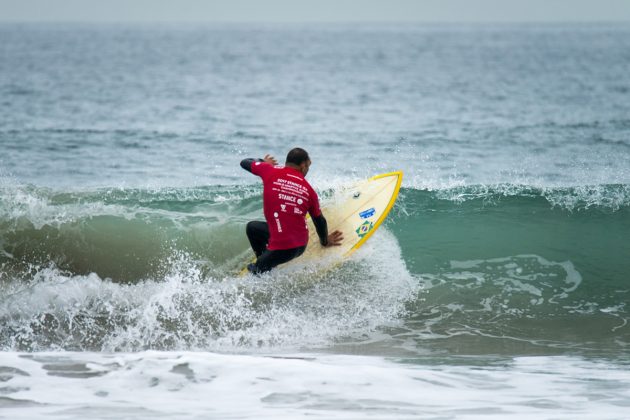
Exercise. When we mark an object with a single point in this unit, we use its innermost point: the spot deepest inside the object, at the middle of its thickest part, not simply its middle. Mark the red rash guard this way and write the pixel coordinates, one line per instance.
(287, 197)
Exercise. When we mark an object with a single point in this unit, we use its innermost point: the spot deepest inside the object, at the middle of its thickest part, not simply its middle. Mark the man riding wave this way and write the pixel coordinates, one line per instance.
(287, 198)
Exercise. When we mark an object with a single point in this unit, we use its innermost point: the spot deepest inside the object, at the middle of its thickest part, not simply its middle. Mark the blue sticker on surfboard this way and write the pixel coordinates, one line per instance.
(366, 214)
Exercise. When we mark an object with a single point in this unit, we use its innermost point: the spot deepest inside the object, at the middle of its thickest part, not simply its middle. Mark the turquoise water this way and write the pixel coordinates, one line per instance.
(501, 273)
(537, 264)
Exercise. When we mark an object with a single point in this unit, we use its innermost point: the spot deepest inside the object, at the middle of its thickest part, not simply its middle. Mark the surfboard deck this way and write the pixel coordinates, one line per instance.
(357, 211)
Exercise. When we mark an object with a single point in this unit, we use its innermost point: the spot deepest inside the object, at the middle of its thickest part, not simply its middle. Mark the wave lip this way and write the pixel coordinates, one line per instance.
(610, 197)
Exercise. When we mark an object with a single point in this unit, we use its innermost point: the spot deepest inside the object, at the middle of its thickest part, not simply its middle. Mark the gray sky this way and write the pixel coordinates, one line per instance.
(316, 10)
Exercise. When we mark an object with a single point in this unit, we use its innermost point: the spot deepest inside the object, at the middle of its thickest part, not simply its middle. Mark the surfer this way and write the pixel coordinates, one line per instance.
(287, 197)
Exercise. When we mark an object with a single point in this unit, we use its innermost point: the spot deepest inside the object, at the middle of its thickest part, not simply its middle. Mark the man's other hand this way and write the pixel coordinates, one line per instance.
(335, 238)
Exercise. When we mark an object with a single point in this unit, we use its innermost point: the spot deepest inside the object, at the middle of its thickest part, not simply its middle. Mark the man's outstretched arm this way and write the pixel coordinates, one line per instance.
(247, 163)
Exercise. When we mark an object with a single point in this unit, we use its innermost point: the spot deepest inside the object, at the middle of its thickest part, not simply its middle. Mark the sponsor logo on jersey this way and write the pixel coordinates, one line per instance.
(278, 224)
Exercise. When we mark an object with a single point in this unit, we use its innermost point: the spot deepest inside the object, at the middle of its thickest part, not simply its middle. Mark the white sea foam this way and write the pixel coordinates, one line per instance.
(191, 385)
(187, 309)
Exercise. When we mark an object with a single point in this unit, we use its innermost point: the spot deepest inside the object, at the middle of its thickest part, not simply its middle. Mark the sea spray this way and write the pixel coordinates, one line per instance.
(186, 309)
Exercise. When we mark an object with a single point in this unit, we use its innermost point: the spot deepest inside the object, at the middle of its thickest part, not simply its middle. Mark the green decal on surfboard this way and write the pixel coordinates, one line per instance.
(364, 228)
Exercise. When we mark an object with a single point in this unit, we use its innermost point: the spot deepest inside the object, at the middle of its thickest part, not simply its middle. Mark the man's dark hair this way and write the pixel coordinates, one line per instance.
(297, 156)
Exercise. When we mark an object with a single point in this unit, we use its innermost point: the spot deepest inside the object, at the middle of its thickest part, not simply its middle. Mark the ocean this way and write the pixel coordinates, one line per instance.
(498, 287)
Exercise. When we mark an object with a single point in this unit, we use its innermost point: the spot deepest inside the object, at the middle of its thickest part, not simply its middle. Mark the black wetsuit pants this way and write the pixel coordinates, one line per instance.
(258, 235)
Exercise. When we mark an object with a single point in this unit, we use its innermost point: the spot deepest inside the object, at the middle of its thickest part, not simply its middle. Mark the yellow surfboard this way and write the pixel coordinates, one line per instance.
(357, 211)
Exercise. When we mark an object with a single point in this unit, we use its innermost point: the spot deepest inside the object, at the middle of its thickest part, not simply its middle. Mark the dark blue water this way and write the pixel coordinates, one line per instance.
(115, 105)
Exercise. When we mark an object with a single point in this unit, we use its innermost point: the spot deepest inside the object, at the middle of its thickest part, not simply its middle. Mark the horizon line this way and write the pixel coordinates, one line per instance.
(319, 22)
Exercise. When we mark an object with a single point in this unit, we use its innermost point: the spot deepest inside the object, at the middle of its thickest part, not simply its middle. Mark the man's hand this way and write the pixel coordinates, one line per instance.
(270, 159)
(335, 239)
